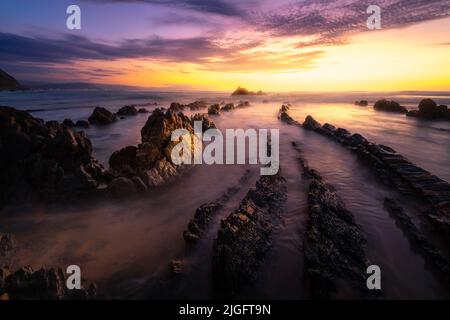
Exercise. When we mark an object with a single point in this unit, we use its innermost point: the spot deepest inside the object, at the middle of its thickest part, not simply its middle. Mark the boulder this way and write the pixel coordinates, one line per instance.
(68, 123)
(214, 110)
(311, 124)
(102, 116)
(429, 110)
(197, 105)
(127, 111)
(389, 106)
(82, 124)
(202, 217)
(362, 103)
(177, 107)
(228, 107)
(151, 160)
(243, 104)
(123, 161)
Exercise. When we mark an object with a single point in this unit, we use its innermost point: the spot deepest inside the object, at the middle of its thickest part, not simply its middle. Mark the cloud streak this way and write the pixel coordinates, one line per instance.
(221, 7)
(331, 21)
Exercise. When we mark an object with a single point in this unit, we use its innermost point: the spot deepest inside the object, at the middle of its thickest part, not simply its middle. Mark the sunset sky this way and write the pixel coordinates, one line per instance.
(282, 45)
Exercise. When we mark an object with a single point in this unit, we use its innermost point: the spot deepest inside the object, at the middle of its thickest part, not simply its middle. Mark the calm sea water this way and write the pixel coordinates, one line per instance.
(123, 244)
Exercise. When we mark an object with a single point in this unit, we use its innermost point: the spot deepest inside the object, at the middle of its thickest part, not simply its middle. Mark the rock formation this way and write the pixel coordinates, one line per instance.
(429, 110)
(228, 107)
(244, 236)
(44, 161)
(214, 110)
(197, 105)
(127, 111)
(362, 103)
(389, 106)
(150, 161)
(7, 82)
(395, 170)
(334, 250)
(206, 212)
(102, 116)
(44, 284)
(244, 92)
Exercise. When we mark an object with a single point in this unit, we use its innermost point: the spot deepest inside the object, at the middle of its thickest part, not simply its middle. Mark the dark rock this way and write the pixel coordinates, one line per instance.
(7, 82)
(285, 108)
(205, 212)
(206, 122)
(356, 140)
(7, 244)
(329, 129)
(214, 110)
(362, 103)
(284, 116)
(197, 105)
(228, 107)
(397, 171)
(44, 284)
(127, 111)
(311, 124)
(334, 247)
(102, 116)
(43, 162)
(53, 125)
(176, 107)
(243, 104)
(176, 267)
(389, 106)
(82, 124)
(244, 92)
(202, 217)
(151, 160)
(413, 113)
(143, 110)
(432, 255)
(244, 236)
(429, 110)
(124, 161)
(68, 123)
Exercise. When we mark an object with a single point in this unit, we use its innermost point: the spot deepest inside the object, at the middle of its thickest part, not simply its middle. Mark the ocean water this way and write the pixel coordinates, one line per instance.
(126, 245)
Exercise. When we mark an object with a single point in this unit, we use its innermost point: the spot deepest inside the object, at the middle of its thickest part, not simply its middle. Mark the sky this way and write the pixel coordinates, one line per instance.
(217, 45)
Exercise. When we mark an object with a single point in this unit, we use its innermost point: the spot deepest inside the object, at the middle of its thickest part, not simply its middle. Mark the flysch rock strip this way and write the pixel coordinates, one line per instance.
(206, 212)
(334, 247)
(394, 170)
(244, 236)
(433, 256)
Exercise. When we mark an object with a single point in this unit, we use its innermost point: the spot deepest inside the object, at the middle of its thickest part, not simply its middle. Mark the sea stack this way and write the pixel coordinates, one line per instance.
(7, 82)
